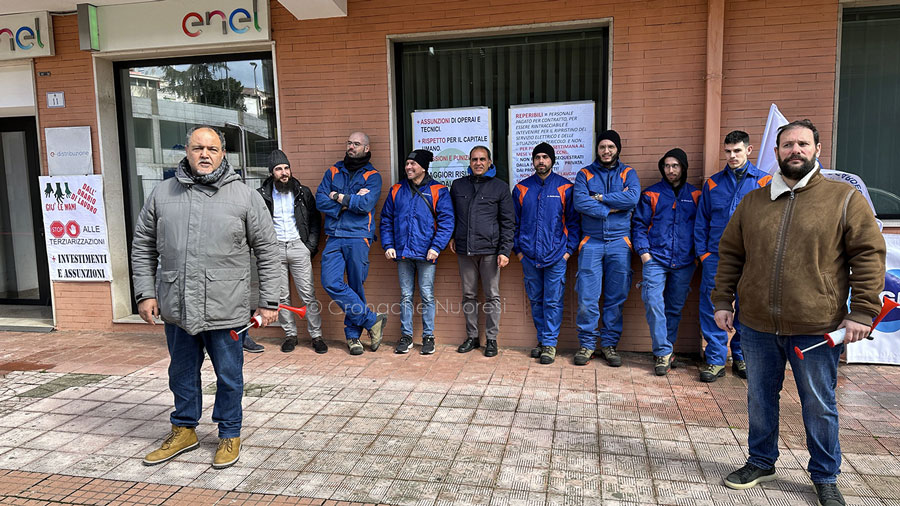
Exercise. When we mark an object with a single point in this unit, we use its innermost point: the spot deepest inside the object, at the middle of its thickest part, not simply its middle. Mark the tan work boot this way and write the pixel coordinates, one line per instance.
(227, 453)
(180, 440)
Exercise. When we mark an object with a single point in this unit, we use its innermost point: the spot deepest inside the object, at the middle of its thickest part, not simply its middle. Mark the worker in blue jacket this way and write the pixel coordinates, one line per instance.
(663, 235)
(547, 233)
(416, 225)
(606, 193)
(719, 198)
(347, 196)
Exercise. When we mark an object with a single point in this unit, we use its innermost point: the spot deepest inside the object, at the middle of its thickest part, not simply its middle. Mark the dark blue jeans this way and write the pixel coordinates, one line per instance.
(186, 358)
(816, 377)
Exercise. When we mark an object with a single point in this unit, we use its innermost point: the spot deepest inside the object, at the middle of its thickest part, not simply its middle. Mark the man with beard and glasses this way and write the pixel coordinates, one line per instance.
(416, 225)
(347, 196)
(663, 234)
(191, 266)
(792, 252)
(719, 198)
(297, 224)
(547, 233)
(606, 193)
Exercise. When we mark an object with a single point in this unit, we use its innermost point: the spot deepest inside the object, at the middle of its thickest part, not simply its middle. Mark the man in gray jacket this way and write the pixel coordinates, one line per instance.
(191, 267)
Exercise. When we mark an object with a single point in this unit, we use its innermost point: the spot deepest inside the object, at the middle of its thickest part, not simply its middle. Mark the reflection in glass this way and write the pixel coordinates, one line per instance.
(161, 103)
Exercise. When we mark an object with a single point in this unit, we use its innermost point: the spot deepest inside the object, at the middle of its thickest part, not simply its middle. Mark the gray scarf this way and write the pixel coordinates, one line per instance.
(213, 176)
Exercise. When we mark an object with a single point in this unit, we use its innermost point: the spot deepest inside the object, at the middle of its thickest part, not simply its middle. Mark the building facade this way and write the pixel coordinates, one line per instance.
(303, 75)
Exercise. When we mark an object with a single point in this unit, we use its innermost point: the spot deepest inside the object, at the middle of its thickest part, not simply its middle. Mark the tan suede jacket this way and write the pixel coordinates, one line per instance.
(789, 259)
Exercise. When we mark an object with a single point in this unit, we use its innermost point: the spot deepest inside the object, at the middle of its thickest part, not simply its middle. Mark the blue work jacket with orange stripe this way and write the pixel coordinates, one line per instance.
(547, 225)
(663, 224)
(720, 196)
(411, 224)
(610, 219)
(355, 218)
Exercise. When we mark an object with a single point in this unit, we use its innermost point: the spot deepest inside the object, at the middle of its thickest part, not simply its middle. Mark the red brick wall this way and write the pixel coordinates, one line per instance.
(333, 79)
(337, 70)
(71, 71)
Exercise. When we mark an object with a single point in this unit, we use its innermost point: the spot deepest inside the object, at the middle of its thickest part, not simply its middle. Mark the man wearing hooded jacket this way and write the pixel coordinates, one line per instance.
(719, 198)
(347, 196)
(547, 233)
(606, 193)
(297, 224)
(663, 235)
(482, 240)
(416, 225)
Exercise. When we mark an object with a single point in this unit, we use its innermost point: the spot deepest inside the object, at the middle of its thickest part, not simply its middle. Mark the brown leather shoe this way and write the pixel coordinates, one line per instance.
(179, 440)
(228, 452)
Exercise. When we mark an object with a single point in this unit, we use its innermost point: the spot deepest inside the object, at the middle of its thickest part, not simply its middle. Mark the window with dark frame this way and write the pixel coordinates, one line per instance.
(869, 103)
(498, 72)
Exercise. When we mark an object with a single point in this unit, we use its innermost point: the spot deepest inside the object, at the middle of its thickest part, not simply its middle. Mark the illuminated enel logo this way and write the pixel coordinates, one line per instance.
(23, 36)
(236, 21)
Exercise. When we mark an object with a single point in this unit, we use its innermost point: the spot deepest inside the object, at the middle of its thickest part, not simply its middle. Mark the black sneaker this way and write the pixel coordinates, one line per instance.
(536, 351)
(748, 476)
(250, 345)
(829, 495)
(319, 345)
(289, 344)
(404, 345)
(490, 348)
(427, 345)
(356, 347)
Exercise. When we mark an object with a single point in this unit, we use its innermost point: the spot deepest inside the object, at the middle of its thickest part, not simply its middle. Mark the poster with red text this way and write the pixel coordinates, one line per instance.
(75, 228)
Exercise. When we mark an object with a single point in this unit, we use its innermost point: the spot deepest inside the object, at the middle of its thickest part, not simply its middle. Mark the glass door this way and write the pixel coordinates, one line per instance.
(24, 278)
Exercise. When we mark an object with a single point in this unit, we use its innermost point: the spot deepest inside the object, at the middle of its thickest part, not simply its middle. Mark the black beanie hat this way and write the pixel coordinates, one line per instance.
(678, 154)
(421, 156)
(611, 135)
(547, 150)
(277, 157)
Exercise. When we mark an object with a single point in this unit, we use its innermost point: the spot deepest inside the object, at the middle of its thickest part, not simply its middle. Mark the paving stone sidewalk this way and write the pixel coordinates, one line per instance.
(78, 411)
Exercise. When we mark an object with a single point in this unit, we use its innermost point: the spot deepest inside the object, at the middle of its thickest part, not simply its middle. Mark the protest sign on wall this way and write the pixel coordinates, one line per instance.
(450, 134)
(75, 228)
(567, 126)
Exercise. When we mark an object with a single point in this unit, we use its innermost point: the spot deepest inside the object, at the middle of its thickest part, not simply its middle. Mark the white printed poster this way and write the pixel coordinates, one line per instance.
(69, 151)
(75, 228)
(885, 347)
(567, 126)
(450, 134)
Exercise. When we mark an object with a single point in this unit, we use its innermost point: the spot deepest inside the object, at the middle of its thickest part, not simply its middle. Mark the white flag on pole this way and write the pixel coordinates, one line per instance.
(766, 160)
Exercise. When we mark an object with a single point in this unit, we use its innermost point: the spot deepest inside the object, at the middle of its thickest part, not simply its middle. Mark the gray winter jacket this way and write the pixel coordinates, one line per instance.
(191, 251)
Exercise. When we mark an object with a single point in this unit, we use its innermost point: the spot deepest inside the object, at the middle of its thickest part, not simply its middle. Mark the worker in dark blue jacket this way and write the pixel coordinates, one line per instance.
(663, 235)
(606, 193)
(416, 225)
(547, 233)
(482, 241)
(347, 196)
(719, 198)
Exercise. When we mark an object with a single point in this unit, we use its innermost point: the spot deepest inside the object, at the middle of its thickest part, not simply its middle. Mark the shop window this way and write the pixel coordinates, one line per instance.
(159, 101)
(869, 105)
(498, 72)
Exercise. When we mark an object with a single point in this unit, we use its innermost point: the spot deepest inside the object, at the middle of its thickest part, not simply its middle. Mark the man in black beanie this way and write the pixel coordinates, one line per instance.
(547, 233)
(663, 235)
(416, 225)
(606, 193)
(297, 225)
